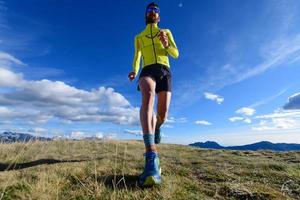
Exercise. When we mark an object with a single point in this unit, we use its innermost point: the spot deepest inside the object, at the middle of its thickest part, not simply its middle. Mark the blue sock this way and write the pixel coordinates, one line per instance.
(148, 140)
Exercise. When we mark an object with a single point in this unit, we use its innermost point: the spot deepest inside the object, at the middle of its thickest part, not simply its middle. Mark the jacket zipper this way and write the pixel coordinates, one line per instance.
(153, 44)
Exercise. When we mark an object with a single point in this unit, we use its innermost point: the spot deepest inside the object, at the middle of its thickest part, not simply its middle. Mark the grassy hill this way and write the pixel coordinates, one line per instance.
(109, 169)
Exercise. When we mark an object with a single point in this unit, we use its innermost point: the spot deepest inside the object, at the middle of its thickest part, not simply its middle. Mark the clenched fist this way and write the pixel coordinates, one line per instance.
(163, 38)
(131, 75)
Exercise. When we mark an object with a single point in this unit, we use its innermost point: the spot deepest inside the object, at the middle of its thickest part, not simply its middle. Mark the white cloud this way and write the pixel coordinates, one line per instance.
(246, 111)
(284, 123)
(281, 50)
(246, 120)
(278, 120)
(274, 50)
(293, 102)
(213, 97)
(4, 111)
(267, 100)
(99, 135)
(180, 5)
(170, 120)
(37, 130)
(9, 78)
(277, 124)
(77, 134)
(5, 122)
(202, 122)
(110, 136)
(176, 120)
(167, 126)
(134, 132)
(234, 119)
(41, 100)
(296, 59)
(8, 60)
(279, 114)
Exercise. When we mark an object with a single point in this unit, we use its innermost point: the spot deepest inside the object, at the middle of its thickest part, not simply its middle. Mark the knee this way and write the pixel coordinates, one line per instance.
(148, 96)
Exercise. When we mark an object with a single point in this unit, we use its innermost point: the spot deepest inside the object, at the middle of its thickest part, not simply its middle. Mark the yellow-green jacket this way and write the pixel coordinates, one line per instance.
(148, 46)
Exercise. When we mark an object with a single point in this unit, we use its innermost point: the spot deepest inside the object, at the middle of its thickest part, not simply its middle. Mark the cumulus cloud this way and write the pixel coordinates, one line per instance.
(202, 122)
(214, 97)
(246, 111)
(293, 102)
(39, 101)
(9, 78)
(276, 124)
(278, 120)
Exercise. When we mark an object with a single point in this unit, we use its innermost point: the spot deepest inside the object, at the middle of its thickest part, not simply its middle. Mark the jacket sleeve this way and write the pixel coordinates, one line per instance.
(137, 55)
(172, 49)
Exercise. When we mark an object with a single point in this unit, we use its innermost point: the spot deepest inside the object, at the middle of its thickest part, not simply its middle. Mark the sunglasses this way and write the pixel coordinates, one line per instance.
(156, 10)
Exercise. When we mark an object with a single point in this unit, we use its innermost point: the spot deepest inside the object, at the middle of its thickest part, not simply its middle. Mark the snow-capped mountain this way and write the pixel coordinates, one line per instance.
(8, 137)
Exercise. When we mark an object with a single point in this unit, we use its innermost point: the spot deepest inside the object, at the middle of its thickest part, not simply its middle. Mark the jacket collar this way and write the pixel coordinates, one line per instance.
(154, 26)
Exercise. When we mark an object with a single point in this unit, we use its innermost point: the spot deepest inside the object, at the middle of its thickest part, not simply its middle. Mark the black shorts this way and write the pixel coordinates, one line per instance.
(161, 74)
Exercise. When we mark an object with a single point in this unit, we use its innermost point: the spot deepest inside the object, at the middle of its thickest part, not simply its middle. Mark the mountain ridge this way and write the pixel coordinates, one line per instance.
(262, 145)
(10, 137)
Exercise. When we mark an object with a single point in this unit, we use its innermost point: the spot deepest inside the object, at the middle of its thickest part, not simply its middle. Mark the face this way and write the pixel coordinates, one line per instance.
(153, 14)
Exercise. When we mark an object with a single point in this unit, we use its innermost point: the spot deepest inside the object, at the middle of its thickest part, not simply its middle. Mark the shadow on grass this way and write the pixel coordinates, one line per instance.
(120, 181)
(17, 166)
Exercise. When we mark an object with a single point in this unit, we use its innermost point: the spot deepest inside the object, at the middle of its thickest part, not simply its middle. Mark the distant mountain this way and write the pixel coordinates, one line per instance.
(264, 145)
(207, 145)
(8, 137)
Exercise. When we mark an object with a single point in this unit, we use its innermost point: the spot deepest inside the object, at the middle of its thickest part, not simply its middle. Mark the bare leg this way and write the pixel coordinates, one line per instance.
(163, 103)
(147, 86)
(154, 120)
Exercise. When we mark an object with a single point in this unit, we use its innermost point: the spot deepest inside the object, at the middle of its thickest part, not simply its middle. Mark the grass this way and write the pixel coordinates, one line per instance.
(109, 170)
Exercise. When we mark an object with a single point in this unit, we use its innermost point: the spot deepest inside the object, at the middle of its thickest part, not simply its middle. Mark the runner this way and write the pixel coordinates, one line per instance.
(153, 45)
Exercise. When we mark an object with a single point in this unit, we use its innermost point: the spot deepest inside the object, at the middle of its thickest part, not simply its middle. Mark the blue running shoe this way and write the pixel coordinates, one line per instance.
(152, 172)
(157, 136)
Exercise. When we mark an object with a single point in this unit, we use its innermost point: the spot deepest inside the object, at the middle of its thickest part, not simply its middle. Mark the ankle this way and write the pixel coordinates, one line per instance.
(158, 125)
(151, 148)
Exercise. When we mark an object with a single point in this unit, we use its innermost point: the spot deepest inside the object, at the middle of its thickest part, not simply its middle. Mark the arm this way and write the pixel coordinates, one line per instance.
(137, 55)
(172, 48)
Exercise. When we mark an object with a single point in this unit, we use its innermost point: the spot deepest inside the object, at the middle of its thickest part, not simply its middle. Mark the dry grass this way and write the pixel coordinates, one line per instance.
(109, 170)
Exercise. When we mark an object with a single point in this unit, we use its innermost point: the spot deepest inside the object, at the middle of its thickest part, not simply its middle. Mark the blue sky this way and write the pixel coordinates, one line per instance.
(64, 66)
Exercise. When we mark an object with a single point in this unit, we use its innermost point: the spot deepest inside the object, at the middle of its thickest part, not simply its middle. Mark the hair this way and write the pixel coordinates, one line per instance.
(152, 4)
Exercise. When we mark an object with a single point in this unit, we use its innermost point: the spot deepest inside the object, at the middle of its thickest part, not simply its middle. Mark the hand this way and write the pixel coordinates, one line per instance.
(164, 39)
(131, 75)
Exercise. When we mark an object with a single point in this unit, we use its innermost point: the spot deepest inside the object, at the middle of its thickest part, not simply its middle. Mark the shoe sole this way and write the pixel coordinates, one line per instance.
(151, 181)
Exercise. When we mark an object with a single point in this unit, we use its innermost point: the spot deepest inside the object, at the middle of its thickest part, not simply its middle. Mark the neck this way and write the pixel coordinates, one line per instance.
(152, 24)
